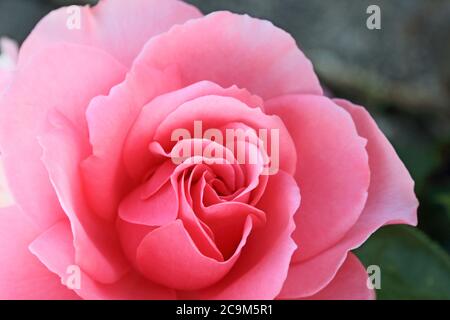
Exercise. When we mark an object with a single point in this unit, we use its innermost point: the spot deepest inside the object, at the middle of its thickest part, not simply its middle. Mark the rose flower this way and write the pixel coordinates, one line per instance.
(151, 152)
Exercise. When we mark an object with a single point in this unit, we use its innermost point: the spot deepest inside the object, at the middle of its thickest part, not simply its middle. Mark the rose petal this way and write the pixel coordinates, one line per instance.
(108, 26)
(226, 221)
(22, 276)
(131, 236)
(157, 210)
(391, 200)
(231, 49)
(110, 119)
(55, 249)
(77, 75)
(350, 283)
(97, 246)
(169, 256)
(332, 170)
(198, 231)
(391, 192)
(262, 268)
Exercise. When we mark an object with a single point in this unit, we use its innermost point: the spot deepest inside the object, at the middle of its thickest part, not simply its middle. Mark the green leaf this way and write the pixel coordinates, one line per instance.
(412, 266)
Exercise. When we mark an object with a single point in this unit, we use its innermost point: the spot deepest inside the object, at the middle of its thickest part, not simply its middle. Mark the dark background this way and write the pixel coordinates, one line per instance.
(401, 73)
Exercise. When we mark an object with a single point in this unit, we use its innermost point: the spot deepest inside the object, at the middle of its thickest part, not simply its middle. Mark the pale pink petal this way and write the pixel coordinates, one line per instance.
(350, 283)
(121, 30)
(169, 256)
(262, 268)
(22, 276)
(131, 236)
(5, 78)
(55, 249)
(63, 77)
(391, 200)
(231, 49)
(157, 210)
(332, 170)
(309, 277)
(391, 192)
(250, 143)
(198, 231)
(226, 221)
(110, 119)
(97, 245)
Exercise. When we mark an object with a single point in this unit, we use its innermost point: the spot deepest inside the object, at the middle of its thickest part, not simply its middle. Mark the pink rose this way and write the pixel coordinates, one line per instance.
(86, 137)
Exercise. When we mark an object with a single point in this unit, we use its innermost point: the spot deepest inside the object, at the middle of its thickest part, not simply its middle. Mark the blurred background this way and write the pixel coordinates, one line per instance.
(401, 73)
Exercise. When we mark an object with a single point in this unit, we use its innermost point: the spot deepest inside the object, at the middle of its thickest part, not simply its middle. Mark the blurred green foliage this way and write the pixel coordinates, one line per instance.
(413, 266)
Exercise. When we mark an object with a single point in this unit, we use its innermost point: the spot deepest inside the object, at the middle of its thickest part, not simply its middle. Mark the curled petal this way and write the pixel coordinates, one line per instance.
(169, 256)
